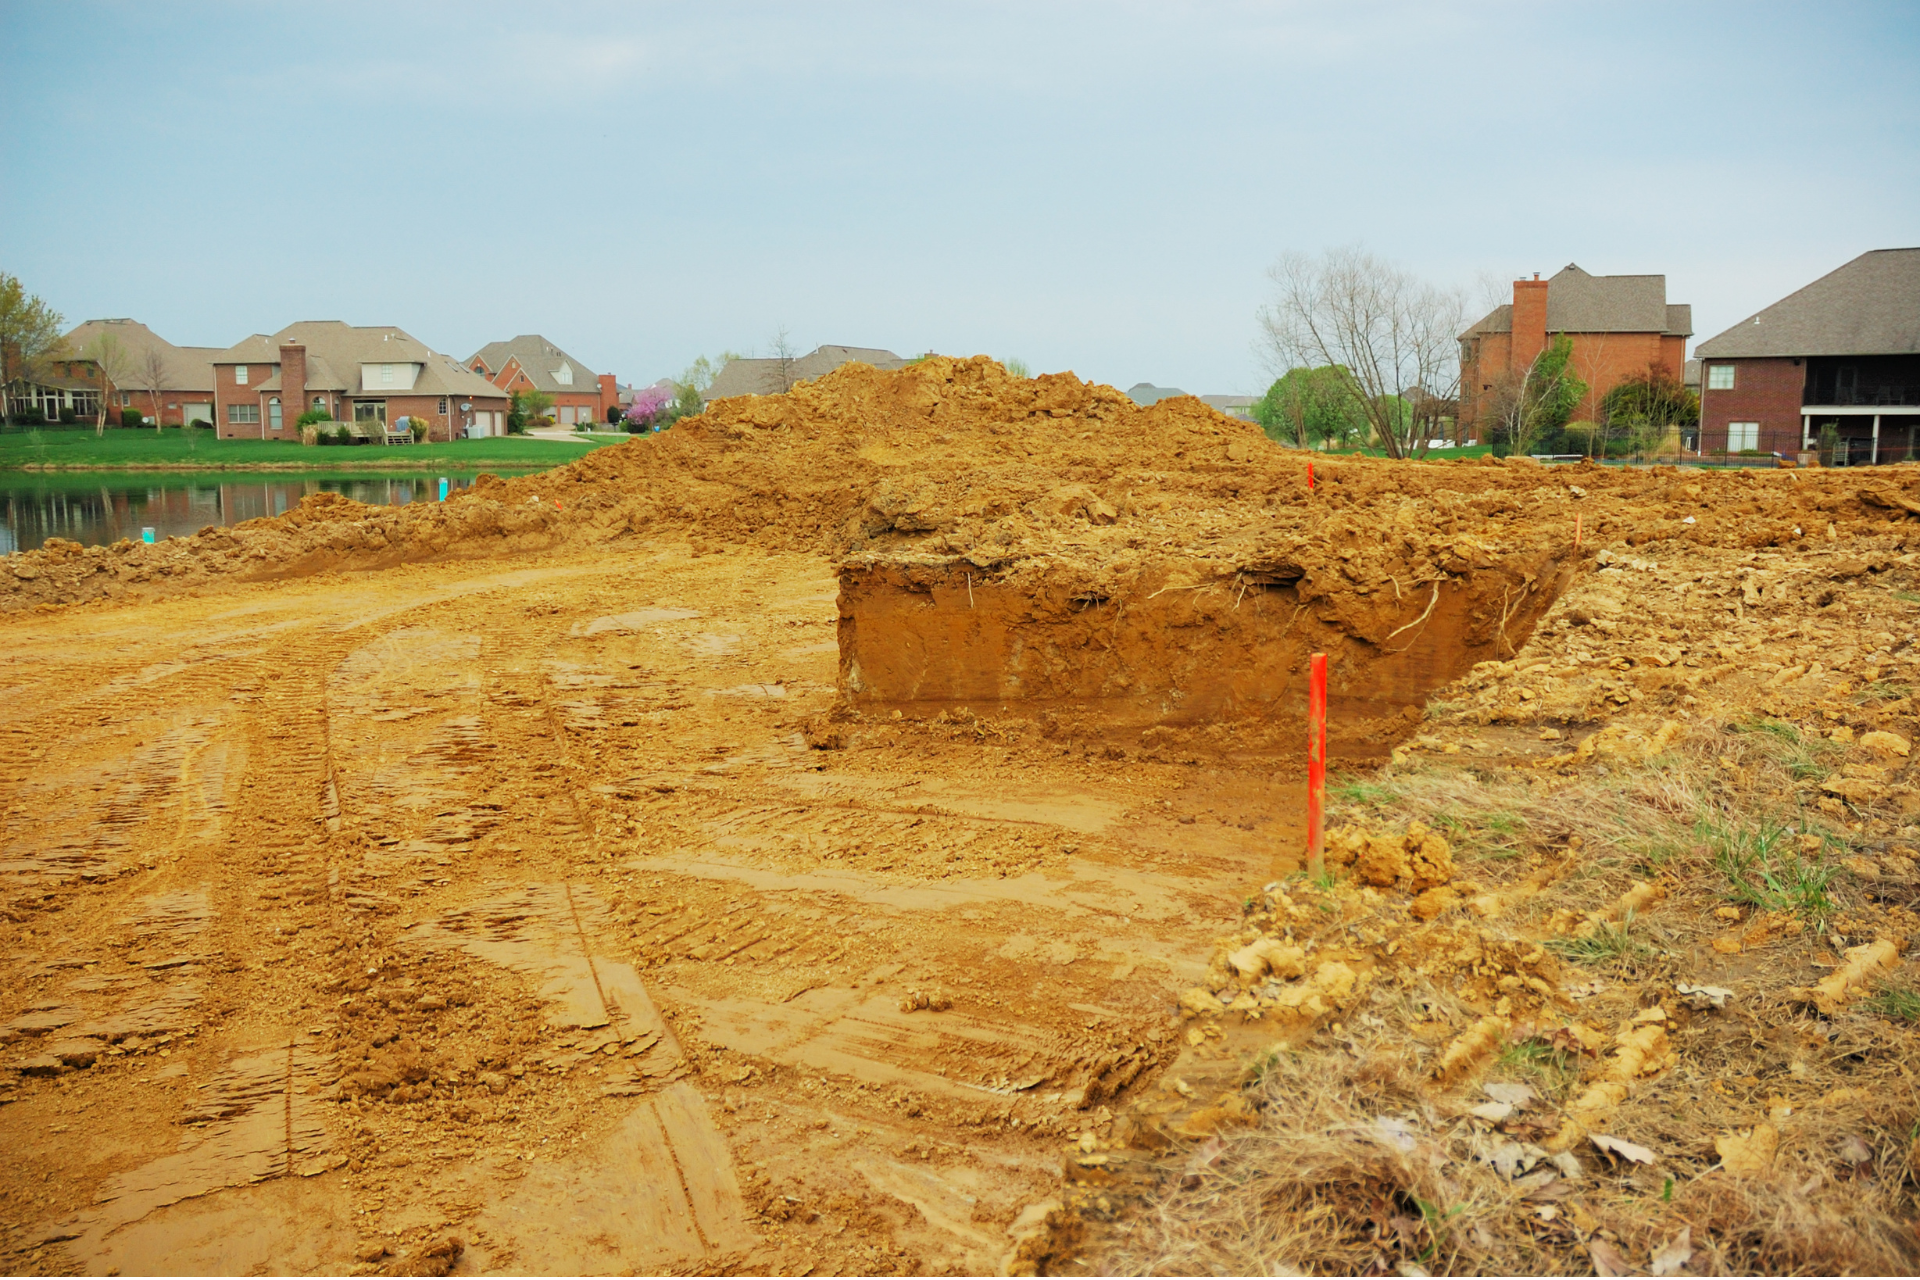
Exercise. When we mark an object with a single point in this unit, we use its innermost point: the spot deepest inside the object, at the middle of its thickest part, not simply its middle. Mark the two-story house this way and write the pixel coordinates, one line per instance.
(530, 362)
(162, 382)
(359, 373)
(1843, 352)
(1620, 326)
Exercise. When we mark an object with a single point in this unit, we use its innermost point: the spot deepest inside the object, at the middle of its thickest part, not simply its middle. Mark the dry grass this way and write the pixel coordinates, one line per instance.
(1318, 1186)
(1356, 1168)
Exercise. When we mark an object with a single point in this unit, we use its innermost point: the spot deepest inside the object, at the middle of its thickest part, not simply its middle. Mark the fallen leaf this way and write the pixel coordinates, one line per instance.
(1854, 1151)
(1507, 1159)
(1625, 1150)
(1568, 1164)
(1671, 1256)
(1701, 997)
(1517, 1096)
(1748, 1155)
(1607, 1260)
(1493, 1112)
(1392, 1131)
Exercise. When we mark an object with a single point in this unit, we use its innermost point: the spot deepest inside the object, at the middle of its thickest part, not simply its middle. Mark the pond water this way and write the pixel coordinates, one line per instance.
(99, 507)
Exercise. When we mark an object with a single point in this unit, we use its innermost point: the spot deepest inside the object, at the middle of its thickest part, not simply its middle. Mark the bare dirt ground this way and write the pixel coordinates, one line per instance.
(859, 834)
(530, 866)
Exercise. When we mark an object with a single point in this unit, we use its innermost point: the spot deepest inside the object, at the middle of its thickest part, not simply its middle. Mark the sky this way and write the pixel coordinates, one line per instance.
(1090, 187)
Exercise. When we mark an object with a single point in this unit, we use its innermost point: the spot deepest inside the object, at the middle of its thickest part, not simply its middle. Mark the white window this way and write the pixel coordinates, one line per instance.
(1720, 378)
(240, 375)
(1742, 435)
(564, 374)
(386, 375)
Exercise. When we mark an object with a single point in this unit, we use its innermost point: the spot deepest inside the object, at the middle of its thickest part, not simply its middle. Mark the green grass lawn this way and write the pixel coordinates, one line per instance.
(144, 448)
(1431, 455)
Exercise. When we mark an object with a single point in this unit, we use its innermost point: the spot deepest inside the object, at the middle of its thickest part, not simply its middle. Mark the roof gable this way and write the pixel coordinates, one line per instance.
(1581, 303)
(186, 368)
(541, 360)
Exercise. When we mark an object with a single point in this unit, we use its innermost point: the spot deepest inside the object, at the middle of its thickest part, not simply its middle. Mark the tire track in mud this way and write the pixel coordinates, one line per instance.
(548, 891)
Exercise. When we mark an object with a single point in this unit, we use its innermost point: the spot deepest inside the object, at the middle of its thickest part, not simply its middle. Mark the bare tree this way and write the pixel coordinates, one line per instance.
(113, 366)
(150, 375)
(1521, 407)
(784, 358)
(1389, 334)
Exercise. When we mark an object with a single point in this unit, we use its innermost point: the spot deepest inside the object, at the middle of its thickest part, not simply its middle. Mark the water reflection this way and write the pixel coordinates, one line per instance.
(95, 509)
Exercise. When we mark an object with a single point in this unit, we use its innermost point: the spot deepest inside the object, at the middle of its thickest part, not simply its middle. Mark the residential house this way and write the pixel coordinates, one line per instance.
(367, 374)
(1240, 407)
(530, 362)
(1844, 352)
(52, 391)
(1620, 326)
(1145, 393)
(771, 376)
(165, 383)
(184, 375)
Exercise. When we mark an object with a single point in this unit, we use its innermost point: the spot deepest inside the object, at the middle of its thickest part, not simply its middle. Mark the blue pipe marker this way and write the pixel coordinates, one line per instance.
(146, 534)
(443, 488)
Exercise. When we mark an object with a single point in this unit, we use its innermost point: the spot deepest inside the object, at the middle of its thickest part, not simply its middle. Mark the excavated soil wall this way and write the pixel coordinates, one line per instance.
(1232, 655)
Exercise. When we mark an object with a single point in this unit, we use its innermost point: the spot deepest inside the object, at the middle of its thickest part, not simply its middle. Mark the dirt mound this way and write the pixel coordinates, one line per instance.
(954, 462)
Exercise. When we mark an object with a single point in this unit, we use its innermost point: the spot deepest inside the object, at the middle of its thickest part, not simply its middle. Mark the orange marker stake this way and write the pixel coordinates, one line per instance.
(1576, 533)
(1317, 766)
(1309, 475)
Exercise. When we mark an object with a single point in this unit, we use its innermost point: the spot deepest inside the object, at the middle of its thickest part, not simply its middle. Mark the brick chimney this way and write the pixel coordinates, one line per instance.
(609, 395)
(1529, 321)
(293, 380)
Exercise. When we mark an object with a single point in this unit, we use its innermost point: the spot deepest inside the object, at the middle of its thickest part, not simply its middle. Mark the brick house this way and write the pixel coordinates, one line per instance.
(530, 362)
(184, 375)
(1620, 326)
(359, 373)
(52, 391)
(1844, 352)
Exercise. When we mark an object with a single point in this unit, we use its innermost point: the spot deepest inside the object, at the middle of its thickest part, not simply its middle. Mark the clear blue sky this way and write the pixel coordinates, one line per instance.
(1095, 187)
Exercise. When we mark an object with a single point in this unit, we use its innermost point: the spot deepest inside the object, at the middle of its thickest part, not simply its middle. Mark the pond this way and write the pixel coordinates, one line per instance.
(96, 508)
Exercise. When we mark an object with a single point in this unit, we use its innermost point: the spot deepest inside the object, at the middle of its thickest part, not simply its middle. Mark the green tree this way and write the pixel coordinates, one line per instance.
(525, 408)
(690, 389)
(29, 334)
(1307, 407)
(1525, 410)
(1654, 398)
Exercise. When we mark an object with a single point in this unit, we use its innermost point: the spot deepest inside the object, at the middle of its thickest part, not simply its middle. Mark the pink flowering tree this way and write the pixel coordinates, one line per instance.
(645, 409)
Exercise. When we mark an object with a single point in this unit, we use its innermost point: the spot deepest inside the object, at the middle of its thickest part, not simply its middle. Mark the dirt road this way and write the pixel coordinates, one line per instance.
(498, 916)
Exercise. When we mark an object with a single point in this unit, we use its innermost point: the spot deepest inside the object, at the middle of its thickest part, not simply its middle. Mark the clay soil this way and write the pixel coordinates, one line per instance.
(631, 868)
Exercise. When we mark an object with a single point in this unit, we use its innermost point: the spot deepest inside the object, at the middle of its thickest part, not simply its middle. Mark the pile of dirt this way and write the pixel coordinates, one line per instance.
(953, 462)
(1657, 1009)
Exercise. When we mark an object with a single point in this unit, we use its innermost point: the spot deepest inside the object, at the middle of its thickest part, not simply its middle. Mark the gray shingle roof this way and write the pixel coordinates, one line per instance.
(541, 359)
(1145, 393)
(343, 347)
(1869, 307)
(761, 377)
(1581, 303)
(335, 352)
(187, 368)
